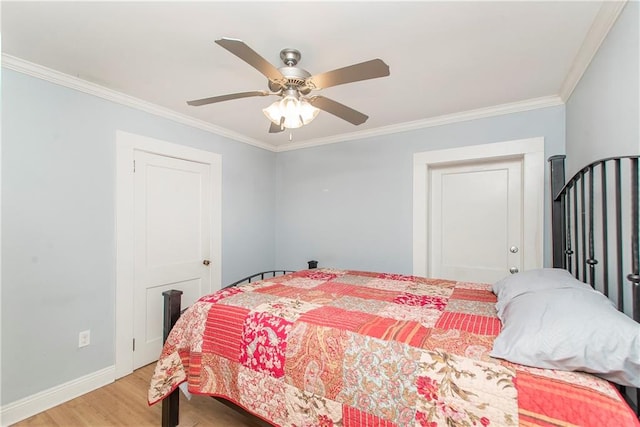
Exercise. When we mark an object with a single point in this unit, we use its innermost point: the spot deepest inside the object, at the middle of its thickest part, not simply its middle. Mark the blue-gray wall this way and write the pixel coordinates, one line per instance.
(603, 112)
(58, 224)
(350, 205)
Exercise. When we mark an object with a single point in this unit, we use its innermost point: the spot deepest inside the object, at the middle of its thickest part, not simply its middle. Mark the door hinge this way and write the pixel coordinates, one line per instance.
(134, 344)
(134, 166)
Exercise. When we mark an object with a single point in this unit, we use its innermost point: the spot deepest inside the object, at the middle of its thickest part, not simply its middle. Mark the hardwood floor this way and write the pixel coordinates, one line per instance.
(124, 403)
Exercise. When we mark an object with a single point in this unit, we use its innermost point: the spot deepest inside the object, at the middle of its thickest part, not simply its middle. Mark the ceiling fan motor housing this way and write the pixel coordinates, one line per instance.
(295, 77)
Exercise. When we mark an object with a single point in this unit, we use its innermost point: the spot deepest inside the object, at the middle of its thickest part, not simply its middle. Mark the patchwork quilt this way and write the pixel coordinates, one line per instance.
(349, 348)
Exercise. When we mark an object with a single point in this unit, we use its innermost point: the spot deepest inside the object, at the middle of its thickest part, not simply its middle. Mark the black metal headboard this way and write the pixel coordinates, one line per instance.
(595, 229)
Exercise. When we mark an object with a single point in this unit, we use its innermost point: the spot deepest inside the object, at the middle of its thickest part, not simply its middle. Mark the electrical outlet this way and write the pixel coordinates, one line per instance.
(84, 338)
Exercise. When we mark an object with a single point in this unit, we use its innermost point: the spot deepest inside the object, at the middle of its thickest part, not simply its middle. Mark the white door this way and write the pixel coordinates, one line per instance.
(487, 199)
(475, 213)
(172, 235)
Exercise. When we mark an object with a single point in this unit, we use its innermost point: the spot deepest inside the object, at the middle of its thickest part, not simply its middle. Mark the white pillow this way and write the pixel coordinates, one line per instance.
(532, 281)
(571, 329)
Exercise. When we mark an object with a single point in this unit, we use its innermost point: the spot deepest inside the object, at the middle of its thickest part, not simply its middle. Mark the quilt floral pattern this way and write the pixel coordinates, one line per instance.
(330, 347)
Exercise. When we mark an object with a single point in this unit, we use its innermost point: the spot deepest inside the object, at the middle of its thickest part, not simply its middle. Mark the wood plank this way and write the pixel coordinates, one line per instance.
(124, 403)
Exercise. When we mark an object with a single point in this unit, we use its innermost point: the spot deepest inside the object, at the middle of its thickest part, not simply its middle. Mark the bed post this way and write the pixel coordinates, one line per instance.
(171, 404)
(634, 276)
(557, 210)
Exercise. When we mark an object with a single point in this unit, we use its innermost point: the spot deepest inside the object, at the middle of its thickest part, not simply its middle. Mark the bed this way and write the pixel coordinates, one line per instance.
(323, 347)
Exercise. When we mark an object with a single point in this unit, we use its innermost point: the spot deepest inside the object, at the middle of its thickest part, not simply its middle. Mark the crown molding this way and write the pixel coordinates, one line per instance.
(481, 113)
(20, 65)
(602, 24)
(44, 73)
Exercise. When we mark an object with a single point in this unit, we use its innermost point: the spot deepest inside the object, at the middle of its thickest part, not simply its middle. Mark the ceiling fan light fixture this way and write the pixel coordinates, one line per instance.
(307, 111)
(273, 112)
(296, 112)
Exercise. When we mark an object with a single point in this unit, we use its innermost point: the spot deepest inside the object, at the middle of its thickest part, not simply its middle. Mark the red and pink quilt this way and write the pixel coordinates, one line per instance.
(348, 348)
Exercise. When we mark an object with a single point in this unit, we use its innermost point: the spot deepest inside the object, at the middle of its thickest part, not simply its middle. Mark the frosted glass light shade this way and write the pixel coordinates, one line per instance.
(296, 113)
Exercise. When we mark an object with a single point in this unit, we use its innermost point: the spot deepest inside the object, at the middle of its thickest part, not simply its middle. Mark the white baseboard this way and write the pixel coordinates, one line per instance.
(34, 404)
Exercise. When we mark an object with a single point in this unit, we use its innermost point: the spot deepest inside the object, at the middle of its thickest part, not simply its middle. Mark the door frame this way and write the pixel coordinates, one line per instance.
(530, 150)
(126, 146)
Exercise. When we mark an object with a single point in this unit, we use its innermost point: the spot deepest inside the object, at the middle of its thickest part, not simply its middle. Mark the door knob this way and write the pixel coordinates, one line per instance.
(513, 249)
(513, 270)
(206, 262)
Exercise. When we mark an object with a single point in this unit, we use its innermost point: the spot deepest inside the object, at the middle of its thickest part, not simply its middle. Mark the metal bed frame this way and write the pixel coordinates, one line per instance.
(584, 216)
(595, 231)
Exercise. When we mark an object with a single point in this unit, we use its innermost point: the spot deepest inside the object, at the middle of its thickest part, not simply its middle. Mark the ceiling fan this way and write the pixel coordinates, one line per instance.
(294, 85)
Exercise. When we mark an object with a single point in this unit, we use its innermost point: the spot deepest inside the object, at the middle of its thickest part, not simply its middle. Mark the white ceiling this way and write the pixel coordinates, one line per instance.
(446, 58)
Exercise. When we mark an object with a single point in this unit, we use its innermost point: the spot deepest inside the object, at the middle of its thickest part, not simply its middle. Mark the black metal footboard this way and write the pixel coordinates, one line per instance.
(595, 230)
(172, 311)
(258, 276)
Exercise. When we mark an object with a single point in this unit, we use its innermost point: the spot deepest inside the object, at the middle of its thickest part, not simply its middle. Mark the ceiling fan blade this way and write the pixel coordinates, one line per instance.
(338, 110)
(251, 57)
(274, 128)
(353, 73)
(214, 99)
